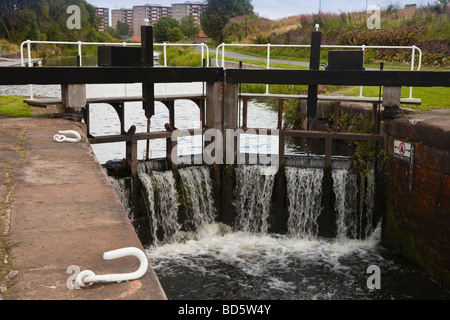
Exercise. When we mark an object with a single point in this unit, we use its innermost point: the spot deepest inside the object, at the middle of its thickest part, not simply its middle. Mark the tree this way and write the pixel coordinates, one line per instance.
(113, 32)
(8, 10)
(46, 19)
(123, 28)
(25, 26)
(162, 27)
(217, 13)
(174, 34)
(189, 28)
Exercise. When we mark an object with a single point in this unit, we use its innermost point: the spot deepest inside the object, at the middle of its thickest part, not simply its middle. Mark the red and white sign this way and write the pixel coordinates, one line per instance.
(402, 149)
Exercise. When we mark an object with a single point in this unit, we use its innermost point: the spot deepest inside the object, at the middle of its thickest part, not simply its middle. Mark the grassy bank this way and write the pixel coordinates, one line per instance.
(432, 98)
(180, 56)
(14, 107)
(422, 23)
(426, 26)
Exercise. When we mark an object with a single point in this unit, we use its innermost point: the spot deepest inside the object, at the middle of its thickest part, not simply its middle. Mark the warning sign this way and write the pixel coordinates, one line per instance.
(402, 150)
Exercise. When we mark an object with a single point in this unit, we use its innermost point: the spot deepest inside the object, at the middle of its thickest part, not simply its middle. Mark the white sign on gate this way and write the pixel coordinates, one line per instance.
(402, 150)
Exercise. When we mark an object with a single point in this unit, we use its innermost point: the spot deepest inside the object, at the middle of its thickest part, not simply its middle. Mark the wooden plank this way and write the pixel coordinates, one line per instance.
(53, 101)
(306, 134)
(126, 137)
(131, 156)
(244, 113)
(356, 136)
(43, 102)
(263, 131)
(141, 136)
(334, 135)
(325, 98)
(280, 113)
(113, 99)
(180, 96)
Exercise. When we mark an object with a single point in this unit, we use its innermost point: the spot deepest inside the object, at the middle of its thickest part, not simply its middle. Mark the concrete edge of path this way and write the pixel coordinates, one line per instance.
(64, 215)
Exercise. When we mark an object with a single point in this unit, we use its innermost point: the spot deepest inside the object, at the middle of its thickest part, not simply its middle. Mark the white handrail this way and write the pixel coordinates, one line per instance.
(124, 44)
(362, 47)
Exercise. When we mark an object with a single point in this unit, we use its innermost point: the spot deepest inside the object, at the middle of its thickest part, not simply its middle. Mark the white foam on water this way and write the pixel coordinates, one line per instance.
(256, 255)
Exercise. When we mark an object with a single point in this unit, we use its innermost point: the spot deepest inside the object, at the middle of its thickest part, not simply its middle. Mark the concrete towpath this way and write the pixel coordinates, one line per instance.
(58, 210)
(241, 56)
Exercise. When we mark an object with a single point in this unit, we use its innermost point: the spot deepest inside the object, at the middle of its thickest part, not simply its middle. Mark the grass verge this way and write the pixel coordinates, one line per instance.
(7, 271)
(432, 97)
(14, 107)
(5, 244)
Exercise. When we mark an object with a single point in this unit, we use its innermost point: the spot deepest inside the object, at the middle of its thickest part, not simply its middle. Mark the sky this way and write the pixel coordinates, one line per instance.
(277, 9)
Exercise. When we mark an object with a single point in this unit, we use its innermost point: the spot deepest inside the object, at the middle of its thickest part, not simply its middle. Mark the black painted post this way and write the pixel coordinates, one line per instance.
(314, 63)
(203, 102)
(148, 89)
(240, 99)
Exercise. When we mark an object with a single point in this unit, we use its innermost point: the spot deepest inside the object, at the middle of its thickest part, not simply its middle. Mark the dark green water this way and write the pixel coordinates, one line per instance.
(241, 266)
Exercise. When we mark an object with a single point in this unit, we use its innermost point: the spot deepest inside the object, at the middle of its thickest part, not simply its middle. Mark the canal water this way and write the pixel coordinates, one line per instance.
(246, 262)
(215, 261)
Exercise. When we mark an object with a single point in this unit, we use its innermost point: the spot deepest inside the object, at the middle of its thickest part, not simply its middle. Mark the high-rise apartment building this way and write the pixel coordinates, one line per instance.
(103, 13)
(122, 15)
(148, 15)
(181, 10)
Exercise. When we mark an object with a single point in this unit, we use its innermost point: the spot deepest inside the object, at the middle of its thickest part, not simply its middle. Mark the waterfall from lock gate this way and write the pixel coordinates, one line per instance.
(304, 193)
(254, 186)
(202, 258)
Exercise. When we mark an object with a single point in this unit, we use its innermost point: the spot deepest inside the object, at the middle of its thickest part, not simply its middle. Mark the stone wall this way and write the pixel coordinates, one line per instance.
(417, 221)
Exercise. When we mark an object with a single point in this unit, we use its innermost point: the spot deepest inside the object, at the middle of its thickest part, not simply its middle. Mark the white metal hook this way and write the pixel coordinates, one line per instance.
(88, 277)
(61, 136)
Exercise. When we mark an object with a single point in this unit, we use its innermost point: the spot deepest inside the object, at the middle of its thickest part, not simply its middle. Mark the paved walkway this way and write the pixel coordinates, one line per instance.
(241, 56)
(61, 210)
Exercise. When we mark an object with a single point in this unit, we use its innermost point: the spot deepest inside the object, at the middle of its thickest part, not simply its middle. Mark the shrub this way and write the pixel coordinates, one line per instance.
(247, 27)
